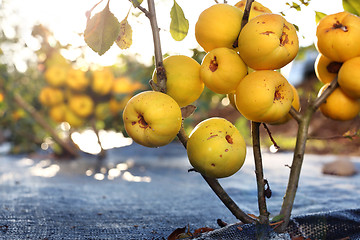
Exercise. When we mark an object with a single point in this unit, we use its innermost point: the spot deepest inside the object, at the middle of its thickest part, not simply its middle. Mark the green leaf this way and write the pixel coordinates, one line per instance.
(124, 39)
(101, 31)
(136, 3)
(179, 25)
(319, 16)
(352, 6)
(277, 218)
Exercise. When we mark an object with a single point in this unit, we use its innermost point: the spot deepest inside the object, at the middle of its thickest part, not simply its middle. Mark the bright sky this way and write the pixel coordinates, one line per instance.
(66, 19)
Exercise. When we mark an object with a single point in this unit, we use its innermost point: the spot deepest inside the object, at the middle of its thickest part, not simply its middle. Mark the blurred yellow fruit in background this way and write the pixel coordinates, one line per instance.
(81, 105)
(102, 81)
(125, 85)
(56, 75)
(50, 96)
(57, 112)
(76, 80)
(102, 110)
(117, 106)
(73, 119)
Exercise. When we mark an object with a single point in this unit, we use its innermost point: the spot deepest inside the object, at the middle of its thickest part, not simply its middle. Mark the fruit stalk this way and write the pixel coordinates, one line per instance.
(246, 15)
(299, 152)
(264, 214)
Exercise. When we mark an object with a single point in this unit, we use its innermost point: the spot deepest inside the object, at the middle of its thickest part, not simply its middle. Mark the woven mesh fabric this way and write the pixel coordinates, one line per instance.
(343, 224)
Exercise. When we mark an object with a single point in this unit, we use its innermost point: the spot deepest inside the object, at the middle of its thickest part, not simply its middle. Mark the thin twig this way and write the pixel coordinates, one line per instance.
(357, 134)
(295, 114)
(270, 135)
(41, 121)
(321, 99)
(255, 133)
(246, 15)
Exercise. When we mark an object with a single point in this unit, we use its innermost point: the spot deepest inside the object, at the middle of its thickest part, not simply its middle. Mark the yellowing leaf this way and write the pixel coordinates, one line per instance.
(101, 31)
(319, 16)
(179, 25)
(136, 3)
(124, 39)
(352, 6)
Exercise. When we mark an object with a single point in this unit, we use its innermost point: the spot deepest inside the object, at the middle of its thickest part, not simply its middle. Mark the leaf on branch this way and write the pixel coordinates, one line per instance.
(277, 218)
(179, 25)
(124, 39)
(187, 111)
(136, 3)
(319, 16)
(101, 31)
(352, 6)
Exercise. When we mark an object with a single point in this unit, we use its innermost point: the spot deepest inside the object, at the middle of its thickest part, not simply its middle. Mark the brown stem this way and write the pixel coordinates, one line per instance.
(295, 169)
(227, 201)
(255, 133)
(41, 121)
(246, 15)
(295, 114)
(270, 135)
(321, 99)
(160, 70)
(161, 83)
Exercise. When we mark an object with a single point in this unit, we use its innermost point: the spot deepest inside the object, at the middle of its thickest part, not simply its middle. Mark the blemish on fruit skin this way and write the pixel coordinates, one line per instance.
(220, 155)
(229, 139)
(212, 136)
(213, 65)
(284, 39)
(213, 164)
(142, 122)
(226, 150)
(267, 33)
(277, 96)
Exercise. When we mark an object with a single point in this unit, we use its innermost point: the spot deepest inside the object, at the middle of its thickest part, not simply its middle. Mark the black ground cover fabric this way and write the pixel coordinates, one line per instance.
(142, 193)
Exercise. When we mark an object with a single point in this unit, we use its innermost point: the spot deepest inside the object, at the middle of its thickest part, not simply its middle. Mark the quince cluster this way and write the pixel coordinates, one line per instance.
(73, 95)
(244, 62)
(241, 63)
(338, 37)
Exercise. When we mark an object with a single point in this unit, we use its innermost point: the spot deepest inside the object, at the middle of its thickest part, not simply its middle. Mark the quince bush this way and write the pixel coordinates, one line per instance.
(263, 95)
(73, 95)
